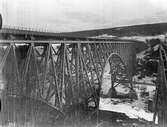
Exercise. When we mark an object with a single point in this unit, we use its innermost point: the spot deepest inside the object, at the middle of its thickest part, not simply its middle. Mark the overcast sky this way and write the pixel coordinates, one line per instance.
(74, 15)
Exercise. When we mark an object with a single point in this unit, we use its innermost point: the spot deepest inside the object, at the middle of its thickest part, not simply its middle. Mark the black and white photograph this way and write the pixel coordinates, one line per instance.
(83, 63)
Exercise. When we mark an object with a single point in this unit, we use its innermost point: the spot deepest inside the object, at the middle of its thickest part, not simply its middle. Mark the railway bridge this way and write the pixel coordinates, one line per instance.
(58, 72)
(44, 76)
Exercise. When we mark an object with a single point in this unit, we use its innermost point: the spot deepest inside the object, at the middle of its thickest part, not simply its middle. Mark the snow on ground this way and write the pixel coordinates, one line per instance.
(144, 38)
(104, 36)
(140, 38)
(141, 54)
(133, 109)
(106, 80)
(122, 89)
(146, 79)
(129, 110)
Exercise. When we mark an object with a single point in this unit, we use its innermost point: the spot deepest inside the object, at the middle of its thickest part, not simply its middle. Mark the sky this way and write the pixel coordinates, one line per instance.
(76, 15)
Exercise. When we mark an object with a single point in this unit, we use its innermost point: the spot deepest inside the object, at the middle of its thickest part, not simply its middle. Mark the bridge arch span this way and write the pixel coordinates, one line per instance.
(109, 60)
(117, 55)
(115, 72)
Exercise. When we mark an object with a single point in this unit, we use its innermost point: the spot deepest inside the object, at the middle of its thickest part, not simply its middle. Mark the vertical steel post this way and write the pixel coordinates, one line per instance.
(63, 85)
(57, 90)
(77, 69)
(46, 67)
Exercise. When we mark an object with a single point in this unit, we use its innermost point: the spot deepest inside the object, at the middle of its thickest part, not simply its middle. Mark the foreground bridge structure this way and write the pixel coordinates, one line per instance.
(57, 74)
(49, 80)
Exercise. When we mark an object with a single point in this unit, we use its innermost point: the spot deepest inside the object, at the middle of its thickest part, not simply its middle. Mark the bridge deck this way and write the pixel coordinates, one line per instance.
(62, 41)
(19, 34)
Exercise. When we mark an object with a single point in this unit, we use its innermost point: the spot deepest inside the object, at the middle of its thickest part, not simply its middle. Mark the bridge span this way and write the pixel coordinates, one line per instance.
(49, 80)
(60, 73)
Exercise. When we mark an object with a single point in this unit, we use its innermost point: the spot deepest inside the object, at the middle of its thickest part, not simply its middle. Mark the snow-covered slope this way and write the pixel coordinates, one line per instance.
(131, 111)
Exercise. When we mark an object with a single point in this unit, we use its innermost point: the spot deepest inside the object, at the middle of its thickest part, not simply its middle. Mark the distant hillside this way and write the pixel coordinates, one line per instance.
(137, 30)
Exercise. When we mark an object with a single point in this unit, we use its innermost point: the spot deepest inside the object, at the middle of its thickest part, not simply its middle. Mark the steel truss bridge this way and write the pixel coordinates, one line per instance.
(43, 80)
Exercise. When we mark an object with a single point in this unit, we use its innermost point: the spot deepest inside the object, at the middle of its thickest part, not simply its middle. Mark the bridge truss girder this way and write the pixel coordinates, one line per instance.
(60, 74)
